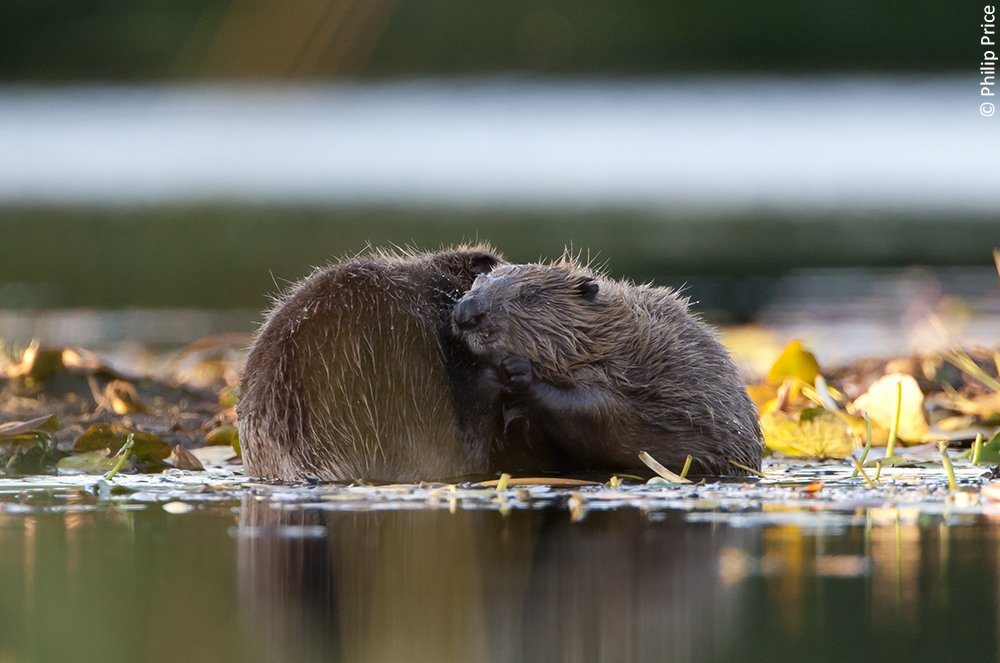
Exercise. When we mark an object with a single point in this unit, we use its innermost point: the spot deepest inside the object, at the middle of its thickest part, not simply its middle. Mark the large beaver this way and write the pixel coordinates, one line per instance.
(355, 374)
(597, 371)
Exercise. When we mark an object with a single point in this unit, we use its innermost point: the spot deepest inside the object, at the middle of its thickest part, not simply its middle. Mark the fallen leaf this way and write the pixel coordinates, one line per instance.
(762, 393)
(48, 423)
(879, 403)
(794, 362)
(37, 364)
(985, 407)
(122, 398)
(97, 461)
(222, 436)
(817, 434)
(113, 436)
(213, 455)
(183, 459)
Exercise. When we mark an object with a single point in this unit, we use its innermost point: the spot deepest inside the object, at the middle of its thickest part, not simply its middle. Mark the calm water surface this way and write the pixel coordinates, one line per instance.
(259, 579)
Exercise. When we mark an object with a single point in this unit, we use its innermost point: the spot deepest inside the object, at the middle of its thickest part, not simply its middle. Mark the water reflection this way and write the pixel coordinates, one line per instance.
(618, 585)
(85, 579)
(478, 586)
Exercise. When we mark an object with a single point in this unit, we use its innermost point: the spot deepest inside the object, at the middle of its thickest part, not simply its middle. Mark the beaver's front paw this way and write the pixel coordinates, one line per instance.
(515, 373)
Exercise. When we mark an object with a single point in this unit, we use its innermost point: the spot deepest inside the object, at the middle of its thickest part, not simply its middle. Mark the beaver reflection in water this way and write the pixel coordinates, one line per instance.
(591, 371)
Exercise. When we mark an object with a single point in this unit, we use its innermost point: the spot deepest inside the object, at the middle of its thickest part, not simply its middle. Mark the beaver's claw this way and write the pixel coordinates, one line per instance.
(515, 373)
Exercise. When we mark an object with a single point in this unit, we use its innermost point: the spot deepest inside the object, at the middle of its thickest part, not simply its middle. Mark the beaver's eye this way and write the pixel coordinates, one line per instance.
(531, 295)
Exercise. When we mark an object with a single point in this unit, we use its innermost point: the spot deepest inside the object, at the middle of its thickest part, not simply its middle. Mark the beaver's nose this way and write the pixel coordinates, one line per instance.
(468, 313)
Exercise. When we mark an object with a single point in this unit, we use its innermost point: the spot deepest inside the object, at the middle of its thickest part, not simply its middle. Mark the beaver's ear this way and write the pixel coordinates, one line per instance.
(483, 263)
(587, 287)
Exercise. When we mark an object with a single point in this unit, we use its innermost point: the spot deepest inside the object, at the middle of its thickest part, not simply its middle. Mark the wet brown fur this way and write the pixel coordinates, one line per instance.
(633, 370)
(354, 375)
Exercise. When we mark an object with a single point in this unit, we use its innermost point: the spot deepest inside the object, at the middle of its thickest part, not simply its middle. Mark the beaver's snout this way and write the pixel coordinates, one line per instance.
(469, 312)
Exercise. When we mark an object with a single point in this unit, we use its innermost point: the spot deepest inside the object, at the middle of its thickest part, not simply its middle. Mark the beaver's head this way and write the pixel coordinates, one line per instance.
(547, 313)
(466, 262)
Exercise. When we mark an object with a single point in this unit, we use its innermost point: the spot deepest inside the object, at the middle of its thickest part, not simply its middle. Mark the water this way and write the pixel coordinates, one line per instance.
(189, 568)
(820, 143)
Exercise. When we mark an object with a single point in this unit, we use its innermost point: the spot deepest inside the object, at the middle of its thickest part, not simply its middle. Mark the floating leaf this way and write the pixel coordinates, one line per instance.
(113, 436)
(879, 402)
(818, 434)
(794, 362)
(97, 461)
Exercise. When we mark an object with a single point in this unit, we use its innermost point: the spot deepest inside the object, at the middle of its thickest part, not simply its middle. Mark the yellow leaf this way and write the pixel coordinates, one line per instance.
(985, 407)
(761, 393)
(818, 434)
(879, 402)
(794, 362)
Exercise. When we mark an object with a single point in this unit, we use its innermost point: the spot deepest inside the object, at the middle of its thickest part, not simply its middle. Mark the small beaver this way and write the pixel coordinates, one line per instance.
(598, 370)
(356, 374)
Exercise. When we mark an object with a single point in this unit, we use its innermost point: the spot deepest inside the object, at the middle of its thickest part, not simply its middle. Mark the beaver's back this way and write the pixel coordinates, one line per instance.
(346, 379)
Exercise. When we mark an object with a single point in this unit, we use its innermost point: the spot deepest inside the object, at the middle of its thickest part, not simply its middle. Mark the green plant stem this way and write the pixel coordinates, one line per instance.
(125, 452)
(858, 468)
(977, 448)
(868, 446)
(687, 467)
(890, 448)
(948, 468)
(747, 469)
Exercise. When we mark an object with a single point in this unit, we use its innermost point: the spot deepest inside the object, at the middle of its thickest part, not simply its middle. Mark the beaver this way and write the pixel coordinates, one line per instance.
(597, 370)
(355, 373)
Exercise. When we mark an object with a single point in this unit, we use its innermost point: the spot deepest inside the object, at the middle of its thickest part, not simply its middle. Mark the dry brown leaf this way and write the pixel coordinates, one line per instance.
(183, 459)
(122, 398)
(49, 423)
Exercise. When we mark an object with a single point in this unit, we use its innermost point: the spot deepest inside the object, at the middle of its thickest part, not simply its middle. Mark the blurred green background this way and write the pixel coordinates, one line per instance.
(115, 40)
(225, 249)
